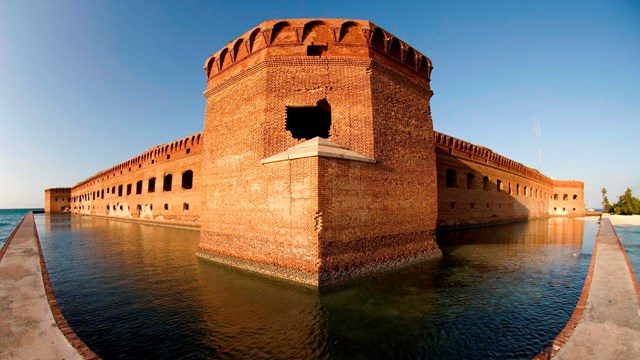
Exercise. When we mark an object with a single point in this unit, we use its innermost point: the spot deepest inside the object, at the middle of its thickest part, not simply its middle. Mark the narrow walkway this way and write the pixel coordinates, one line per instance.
(28, 329)
(610, 325)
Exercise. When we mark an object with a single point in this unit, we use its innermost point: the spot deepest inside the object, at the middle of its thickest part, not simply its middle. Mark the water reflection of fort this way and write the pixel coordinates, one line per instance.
(486, 275)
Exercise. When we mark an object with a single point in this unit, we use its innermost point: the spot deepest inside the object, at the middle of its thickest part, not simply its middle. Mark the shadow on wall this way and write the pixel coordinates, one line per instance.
(472, 193)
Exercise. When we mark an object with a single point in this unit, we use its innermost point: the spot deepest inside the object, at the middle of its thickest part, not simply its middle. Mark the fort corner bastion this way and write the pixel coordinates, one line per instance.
(318, 161)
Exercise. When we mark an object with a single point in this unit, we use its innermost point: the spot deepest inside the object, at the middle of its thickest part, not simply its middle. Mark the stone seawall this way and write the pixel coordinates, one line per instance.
(606, 320)
(31, 323)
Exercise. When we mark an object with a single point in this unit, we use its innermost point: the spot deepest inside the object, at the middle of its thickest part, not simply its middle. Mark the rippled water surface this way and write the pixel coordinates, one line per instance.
(138, 291)
(9, 219)
(630, 238)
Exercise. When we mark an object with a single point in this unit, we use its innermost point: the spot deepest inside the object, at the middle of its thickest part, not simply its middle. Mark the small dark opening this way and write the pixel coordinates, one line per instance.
(308, 122)
(185, 206)
(316, 50)
(166, 185)
(139, 187)
(188, 151)
(119, 190)
(471, 179)
(128, 189)
(152, 185)
(187, 179)
(451, 178)
(168, 156)
(166, 206)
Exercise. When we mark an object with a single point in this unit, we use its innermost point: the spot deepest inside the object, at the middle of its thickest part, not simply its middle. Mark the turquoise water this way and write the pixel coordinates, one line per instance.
(630, 238)
(9, 218)
(138, 291)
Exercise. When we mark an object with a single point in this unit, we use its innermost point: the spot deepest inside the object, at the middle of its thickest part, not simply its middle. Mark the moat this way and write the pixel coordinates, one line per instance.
(138, 291)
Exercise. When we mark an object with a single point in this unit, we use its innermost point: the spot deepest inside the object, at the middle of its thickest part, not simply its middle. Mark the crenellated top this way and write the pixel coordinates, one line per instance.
(165, 152)
(568, 183)
(486, 155)
(317, 37)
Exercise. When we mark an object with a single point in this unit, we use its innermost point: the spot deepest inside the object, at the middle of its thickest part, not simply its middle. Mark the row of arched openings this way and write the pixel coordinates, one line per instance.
(451, 181)
(121, 190)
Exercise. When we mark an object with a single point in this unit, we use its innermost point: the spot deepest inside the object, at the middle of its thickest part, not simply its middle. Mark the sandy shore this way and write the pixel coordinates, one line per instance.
(623, 219)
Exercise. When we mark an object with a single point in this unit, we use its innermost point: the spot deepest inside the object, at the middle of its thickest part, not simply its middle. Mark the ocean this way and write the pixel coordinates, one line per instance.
(9, 218)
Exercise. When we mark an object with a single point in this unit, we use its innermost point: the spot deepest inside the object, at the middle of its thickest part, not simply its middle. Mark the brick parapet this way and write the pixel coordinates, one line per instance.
(467, 150)
(333, 37)
(156, 154)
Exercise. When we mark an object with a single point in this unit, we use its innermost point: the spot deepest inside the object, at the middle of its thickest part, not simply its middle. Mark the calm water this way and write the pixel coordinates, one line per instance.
(9, 218)
(138, 291)
(630, 238)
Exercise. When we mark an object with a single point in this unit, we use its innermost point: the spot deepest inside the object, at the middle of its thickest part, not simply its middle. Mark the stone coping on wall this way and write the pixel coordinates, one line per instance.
(31, 323)
(606, 320)
(317, 147)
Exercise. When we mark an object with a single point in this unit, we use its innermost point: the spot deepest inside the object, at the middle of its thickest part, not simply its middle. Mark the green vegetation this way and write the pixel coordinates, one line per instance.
(627, 204)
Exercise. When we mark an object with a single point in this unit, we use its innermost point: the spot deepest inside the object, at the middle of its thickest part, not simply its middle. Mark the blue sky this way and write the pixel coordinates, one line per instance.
(85, 85)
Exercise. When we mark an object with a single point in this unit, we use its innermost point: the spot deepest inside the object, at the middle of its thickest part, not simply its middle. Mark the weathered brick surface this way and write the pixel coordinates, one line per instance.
(57, 200)
(113, 192)
(489, 188)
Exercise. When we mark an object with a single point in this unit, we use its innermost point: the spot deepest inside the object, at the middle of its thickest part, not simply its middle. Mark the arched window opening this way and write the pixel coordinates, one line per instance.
(102, 194)
(152, 185)
(119, 190)
(517, 189)
(486, 183)
(451, 178)
(510, 192)
(565, 197)
(113, 190)
(575, 197)
(128, 189)
(555, 196)
(525, 191)
(166, 206)
(377, 40)
(187, 180)
(139, 187)
(471, 181)
(308, 122)
(498, 185)
(166, 185)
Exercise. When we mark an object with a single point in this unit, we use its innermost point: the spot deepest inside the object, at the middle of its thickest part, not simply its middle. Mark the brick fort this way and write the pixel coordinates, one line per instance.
(318, 161)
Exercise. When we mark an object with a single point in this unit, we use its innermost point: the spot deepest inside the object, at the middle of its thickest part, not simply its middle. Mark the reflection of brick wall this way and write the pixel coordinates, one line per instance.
(57, 200)
(524, 193)
(101, 194)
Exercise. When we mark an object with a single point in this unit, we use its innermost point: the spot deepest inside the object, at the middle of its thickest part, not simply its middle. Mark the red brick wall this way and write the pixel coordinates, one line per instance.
(524, 193)
(57, 200)
(279, 213)
(95, 196)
